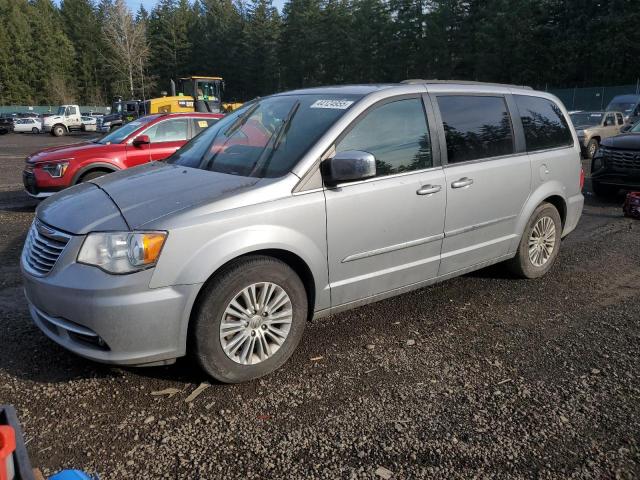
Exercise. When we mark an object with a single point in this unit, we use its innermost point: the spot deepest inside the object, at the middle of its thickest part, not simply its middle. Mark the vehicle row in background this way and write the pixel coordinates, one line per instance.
(153, 137)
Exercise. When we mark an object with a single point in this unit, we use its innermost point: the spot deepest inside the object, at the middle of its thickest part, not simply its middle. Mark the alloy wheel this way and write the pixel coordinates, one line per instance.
(542, 241)
(256, 323)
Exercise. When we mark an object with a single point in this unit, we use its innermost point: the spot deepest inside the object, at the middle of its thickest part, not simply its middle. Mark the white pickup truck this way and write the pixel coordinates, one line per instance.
(67, 119)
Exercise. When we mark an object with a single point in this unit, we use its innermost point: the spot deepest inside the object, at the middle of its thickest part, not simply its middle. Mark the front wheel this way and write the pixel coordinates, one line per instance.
(249, 320)
(592, 147)
(540, 243)
(58, 131)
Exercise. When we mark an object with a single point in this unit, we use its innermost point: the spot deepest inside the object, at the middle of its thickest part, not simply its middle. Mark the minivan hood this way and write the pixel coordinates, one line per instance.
(81, 209)
(154, 190)
(626, 141)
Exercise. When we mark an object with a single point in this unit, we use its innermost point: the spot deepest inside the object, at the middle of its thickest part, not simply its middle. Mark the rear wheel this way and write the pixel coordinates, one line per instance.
(250, 319)
(601, 190)
(540, 243)
(592, 147)
(35, 130)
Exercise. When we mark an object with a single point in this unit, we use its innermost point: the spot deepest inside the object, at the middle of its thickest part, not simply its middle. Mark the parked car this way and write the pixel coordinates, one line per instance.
(616, 164)
(32, 125)
(88, 124)
(300, 205)
(6, 125)
(593, 127)
(149, 138)
(629, 105)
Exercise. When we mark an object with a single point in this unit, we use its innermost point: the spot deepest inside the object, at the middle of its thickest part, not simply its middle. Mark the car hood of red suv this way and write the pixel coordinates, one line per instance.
(67, 151)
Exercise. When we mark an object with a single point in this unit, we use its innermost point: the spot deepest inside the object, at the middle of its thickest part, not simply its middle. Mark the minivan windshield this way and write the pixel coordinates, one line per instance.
(586, 119)
(266, 137)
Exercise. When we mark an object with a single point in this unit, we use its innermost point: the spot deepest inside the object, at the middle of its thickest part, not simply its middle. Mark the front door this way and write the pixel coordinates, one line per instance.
(167, 136)
(385, 233)
(487, 184)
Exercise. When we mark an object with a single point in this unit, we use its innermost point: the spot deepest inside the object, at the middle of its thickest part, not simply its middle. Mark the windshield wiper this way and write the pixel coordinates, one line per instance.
(282, 131)
(241, 120)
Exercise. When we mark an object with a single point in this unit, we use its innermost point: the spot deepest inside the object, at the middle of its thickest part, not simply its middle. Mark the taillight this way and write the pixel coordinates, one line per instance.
(581, 178)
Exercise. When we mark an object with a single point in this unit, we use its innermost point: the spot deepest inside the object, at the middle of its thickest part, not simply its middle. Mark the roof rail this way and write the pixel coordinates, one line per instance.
(415, 81)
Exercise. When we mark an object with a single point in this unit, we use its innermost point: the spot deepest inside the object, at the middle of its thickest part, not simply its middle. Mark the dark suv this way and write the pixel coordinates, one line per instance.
(616, 164)
(6, 125)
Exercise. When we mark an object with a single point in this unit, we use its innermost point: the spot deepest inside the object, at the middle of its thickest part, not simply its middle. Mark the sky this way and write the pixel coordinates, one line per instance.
(134, 5)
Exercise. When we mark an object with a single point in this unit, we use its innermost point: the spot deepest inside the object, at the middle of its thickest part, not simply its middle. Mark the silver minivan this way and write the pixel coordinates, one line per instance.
(297, 206)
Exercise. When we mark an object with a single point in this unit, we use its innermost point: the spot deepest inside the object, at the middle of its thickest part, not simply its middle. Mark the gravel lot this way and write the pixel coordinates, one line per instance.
(480, 376)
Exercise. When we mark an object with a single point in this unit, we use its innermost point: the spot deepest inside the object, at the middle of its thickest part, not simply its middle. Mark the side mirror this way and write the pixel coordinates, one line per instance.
(349, 166)
(141, 140)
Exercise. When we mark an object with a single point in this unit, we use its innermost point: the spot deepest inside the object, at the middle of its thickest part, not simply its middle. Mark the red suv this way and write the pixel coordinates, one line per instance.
(146, 139)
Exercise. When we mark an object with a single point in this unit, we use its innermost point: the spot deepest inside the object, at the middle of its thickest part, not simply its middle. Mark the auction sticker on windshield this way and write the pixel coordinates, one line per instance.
(336, 104)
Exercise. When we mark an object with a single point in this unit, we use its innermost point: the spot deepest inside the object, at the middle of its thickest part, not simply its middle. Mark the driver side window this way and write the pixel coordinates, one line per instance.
(609, 122)
(396, 134)
(174, 130)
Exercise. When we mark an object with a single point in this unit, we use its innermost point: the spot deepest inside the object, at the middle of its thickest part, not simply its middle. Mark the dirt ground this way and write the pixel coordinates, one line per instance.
(506, 378)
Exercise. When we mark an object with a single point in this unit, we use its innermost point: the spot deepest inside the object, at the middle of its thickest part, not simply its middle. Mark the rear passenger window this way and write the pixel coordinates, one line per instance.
(201, 124)
(475, 127)
(619, 118)
(543, 122)
(396, 134)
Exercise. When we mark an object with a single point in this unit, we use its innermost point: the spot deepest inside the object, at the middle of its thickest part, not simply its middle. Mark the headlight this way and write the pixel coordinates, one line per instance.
(56, 170)
(106, 124)
(122, 252)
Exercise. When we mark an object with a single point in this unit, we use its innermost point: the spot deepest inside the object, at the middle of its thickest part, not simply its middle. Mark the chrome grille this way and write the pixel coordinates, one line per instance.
(43, 247)
(621, 159)
(99, 123)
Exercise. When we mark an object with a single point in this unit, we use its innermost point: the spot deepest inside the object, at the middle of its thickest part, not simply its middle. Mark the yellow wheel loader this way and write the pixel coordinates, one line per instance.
(200, 94)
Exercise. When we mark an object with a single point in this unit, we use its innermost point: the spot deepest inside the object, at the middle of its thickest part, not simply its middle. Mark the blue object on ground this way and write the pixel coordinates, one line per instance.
(73, 475)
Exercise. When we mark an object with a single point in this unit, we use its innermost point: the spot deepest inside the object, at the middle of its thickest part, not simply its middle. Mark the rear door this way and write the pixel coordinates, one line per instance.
(199, 125)
(385, 233)
(609, 127)
(488, 178)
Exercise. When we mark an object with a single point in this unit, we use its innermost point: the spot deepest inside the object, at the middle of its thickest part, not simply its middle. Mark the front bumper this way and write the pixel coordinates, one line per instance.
(115, 319)
(629, 180)
(33, 190)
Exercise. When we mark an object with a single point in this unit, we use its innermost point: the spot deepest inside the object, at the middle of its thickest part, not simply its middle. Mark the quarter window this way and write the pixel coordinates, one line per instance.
(396, 134)
(168, 131)
(544, 124)
(475, 127)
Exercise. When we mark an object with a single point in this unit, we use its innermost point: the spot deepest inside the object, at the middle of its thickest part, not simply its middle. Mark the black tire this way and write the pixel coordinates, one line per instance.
(204, 336)
(522, 265)
(35, 131)
(58, 131)
(592, 147)
(92, 175)
(83, 128)
(605, 191)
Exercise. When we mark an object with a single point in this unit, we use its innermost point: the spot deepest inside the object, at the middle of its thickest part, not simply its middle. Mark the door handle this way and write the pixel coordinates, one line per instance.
(428, 189)
(463, 182)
